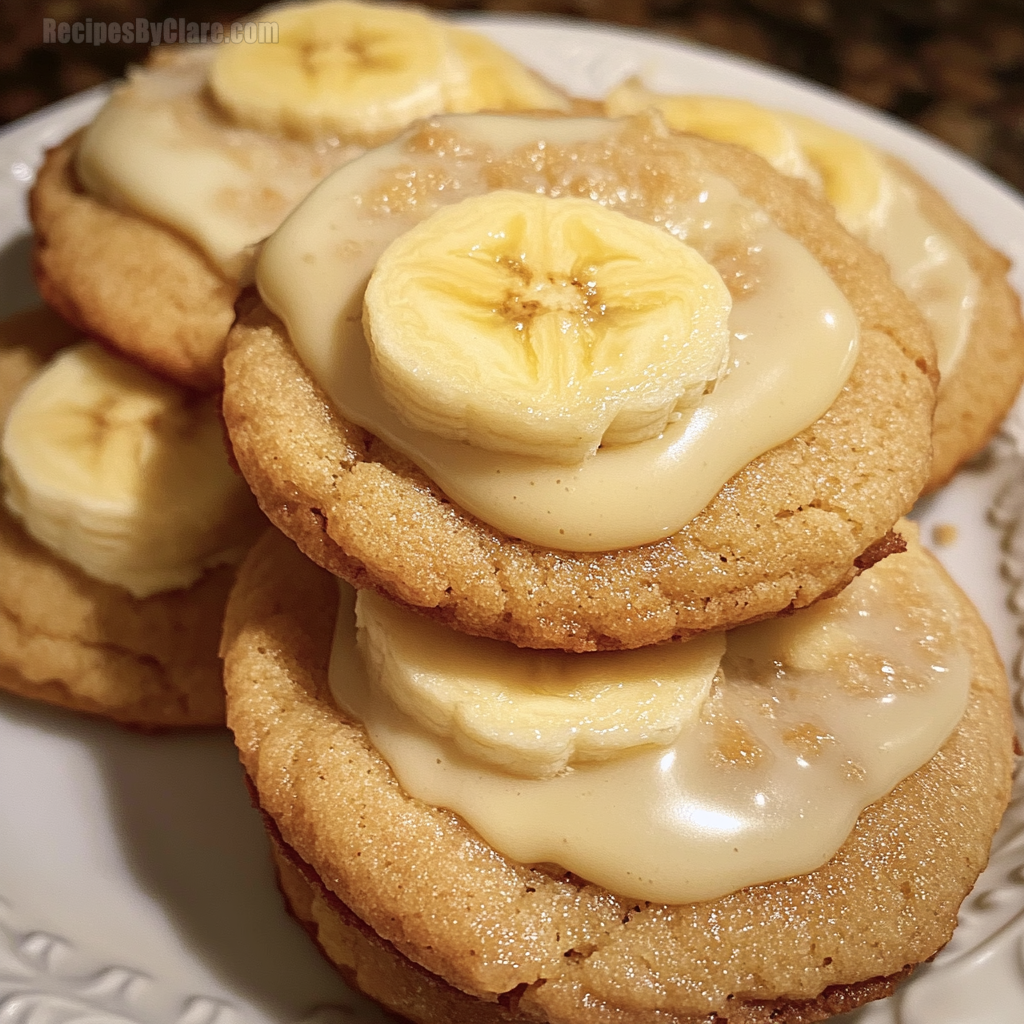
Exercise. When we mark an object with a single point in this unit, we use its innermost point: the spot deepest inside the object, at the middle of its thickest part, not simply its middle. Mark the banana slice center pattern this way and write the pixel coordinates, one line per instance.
(123, 474)
(573, 325)
(338, 68)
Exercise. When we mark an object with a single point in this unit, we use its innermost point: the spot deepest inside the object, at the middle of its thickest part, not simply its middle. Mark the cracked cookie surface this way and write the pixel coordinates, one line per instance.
(70, 640)
(435, 898)
(375, 968)
(784, 531)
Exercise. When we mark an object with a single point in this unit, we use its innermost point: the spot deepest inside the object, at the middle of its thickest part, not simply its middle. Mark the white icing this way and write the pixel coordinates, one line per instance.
(159, 148)
(794, 341)
(925, 263)
(882, 683)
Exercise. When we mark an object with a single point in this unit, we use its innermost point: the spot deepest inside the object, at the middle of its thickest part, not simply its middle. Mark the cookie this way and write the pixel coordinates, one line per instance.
(146, 220)
(794, 524)
(374, 967)
(424, 916)
(976, 394)
(116, 276)
(69, 639)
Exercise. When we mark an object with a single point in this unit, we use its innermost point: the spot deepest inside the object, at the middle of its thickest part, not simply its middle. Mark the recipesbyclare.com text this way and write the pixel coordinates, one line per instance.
(157, 33)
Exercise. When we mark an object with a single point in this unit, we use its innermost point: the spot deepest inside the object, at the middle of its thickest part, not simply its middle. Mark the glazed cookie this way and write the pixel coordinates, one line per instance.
(66, 636)
(977, 391)
(146, 220)
(426, 916)
(790, 519)
(115, 275)
(958, 281)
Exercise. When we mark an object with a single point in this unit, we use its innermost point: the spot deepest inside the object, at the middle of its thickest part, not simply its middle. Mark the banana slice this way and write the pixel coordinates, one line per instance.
(488, 78)
(852, 173)
(723, 119)
(338, 68)
(849, 172)
(869, 195)
(546, 327)
(124, 475)
(533, 712)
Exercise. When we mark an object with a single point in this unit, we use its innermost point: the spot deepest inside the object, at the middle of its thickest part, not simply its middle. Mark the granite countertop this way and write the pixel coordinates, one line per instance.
(953, 67)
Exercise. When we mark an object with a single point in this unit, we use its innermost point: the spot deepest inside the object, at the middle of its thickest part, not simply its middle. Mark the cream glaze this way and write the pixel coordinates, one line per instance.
(160, 147)
(794, 337)
(875, 202)
(812, 718)
(934, 273)
(871, 197)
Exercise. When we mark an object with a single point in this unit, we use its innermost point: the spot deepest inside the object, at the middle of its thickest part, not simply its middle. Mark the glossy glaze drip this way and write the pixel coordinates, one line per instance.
(794, 336)
(812, 718)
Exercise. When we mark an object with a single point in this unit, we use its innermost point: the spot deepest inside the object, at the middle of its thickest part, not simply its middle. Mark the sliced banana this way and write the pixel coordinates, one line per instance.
(543, 327)
(871, 198)
(338, 68)
(532, 713)
(853, 175)
(849, 172)
(363, 71)
(486, 77)
(124, 475)
(721, 118)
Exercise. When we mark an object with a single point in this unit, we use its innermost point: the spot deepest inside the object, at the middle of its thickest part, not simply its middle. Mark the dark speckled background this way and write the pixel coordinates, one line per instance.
(953, 67)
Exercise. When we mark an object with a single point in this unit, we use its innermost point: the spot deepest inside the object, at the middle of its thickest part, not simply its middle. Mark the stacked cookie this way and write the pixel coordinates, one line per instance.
(124, 518)
(610, 429)
(121, 527)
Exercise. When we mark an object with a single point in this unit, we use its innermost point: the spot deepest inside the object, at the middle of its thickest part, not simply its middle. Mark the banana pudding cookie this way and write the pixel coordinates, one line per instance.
(765, 824)
(578, 383)
(955, 278)
(121, 525)
(146, 220)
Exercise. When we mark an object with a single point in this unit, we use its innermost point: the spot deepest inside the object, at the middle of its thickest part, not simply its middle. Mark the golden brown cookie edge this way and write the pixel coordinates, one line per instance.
(975, 397)
(127, 281)
(54, 617)
(373, 967)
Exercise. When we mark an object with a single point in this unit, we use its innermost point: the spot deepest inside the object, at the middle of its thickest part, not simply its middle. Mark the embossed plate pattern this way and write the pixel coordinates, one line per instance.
(134, 879)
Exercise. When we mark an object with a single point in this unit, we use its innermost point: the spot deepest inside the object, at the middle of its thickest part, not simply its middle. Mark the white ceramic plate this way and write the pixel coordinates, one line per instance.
(134, 878)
